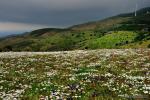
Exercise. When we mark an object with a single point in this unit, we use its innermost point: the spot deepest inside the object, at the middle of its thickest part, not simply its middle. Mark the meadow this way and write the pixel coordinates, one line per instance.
(105, 74)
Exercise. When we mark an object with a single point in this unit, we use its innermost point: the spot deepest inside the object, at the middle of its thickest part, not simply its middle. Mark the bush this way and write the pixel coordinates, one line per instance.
(52, 43)
(127, 42)
(148, 46)
(8, 48)
(78, 35)
(28, 48)
(140, 42)
(86, 47)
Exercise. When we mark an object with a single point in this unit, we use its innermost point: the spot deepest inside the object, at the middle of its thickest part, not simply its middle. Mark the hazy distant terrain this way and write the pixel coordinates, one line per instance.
(122, 31)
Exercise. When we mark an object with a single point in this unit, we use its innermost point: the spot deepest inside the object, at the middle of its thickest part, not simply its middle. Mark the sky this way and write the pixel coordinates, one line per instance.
(17, 16)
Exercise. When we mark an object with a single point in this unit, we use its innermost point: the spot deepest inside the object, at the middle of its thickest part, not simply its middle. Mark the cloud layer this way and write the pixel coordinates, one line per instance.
(60, 13)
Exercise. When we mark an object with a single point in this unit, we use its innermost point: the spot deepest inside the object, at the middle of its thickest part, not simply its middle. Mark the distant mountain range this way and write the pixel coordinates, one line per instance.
(121, 31)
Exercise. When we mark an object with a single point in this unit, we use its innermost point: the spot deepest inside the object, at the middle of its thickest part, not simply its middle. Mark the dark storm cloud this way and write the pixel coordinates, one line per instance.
(61, 13)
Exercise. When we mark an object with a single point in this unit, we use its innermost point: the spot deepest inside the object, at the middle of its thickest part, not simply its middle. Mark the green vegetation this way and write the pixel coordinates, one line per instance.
(113, 40)
(122, 31)
(76, 75)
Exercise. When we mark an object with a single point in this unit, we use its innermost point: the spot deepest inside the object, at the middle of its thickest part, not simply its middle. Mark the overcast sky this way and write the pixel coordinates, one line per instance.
(25, 15)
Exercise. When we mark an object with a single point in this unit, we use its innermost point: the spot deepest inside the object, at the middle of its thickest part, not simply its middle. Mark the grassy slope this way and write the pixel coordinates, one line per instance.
(106, 24)
(142, 43)
(113, 40)
(115, 32)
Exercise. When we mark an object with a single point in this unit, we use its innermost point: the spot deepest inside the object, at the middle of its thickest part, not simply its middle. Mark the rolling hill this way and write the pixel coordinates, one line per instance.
(121, 31)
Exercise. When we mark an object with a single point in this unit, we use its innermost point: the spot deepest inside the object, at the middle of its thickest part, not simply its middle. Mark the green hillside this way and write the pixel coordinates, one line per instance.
(113, 40)
(121, 31)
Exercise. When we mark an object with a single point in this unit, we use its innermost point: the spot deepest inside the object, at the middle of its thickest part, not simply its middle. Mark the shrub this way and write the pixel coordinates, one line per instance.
(78, 35)
(140, 42)
(127, 42)
(52, 43)
(8, 48)
(86, 47)
(148, 46)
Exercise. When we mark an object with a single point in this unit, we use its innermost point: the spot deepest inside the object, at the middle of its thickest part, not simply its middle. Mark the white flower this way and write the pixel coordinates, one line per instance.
(72, 78)
(108, 74)
(146, 92)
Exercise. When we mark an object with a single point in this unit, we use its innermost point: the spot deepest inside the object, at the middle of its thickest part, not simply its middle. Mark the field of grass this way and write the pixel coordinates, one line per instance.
(139, 44)
(113, 40)
(54, 42)
(141, 41)
(117, 74)
(79, 40)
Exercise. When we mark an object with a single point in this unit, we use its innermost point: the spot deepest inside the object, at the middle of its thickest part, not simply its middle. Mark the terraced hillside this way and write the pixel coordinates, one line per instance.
(122, 74)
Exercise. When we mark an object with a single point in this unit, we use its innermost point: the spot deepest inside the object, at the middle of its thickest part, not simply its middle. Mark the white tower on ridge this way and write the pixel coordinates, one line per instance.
(136, 7)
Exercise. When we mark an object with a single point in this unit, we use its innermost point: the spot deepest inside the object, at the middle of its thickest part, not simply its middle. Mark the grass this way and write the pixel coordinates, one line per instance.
(78, 75)
(115, 32)
(141, 41)
(113, 40)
